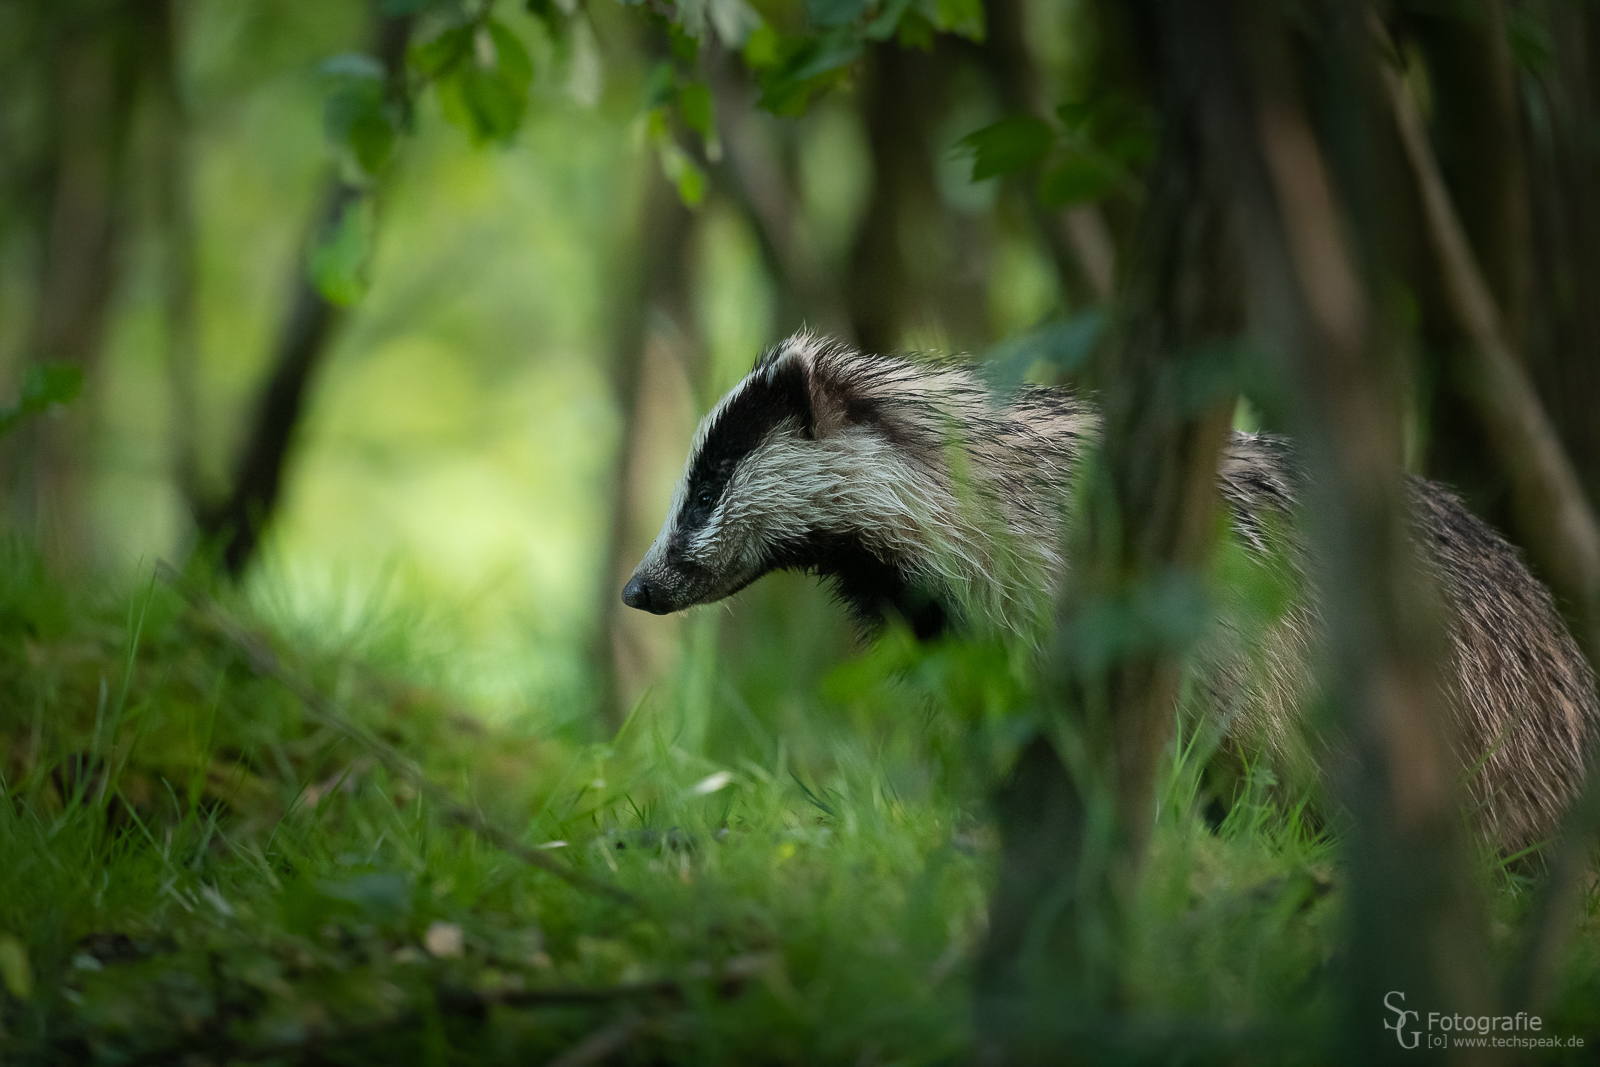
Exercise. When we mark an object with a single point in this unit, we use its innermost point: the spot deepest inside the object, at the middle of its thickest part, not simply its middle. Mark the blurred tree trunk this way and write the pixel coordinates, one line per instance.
(1552, 515)
(1050, 967)
(1077, 238)
(175, 214)
(232, 527)
(1302, 192)
(1562, 108)
(93, 53)
(655, 276)
(913, 262)
(753, 174)
(1477, 138)
(1240, 157)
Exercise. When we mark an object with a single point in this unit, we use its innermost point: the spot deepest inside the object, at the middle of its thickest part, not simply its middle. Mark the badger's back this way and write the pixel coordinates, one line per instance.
(1520, 696)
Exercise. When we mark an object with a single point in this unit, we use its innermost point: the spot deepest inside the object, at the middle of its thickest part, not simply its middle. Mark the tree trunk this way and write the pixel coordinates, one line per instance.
(1477, 138)
(93, 68)
(656, 276)
(1300, 194)
(1562, 108)
(752, 172)
(1050, 967)
(914, 263)
(1077, 238)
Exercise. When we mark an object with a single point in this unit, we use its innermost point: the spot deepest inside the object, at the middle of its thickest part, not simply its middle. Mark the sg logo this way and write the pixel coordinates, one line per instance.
(1399, 1023)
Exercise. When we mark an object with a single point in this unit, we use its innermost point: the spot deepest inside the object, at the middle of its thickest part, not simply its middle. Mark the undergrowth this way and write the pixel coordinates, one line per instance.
(196, 869)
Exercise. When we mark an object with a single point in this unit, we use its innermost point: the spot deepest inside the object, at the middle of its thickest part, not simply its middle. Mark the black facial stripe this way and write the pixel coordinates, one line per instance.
(740, 427)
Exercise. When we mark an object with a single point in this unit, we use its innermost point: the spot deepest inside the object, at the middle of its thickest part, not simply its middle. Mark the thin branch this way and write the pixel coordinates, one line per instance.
(234, 525)
(1555, 520)
(265, 663)
(1559, 528)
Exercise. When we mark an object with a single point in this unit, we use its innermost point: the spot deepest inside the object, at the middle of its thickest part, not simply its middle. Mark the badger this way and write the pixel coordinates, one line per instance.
(921, 493)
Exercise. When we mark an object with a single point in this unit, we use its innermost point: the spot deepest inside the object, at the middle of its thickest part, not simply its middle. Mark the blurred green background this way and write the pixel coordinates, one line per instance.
(459, 440)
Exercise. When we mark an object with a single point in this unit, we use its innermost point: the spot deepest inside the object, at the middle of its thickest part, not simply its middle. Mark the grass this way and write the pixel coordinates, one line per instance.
(198, 870)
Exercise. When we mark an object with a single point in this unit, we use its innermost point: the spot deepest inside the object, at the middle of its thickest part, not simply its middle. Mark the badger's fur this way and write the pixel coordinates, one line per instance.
(918, 492)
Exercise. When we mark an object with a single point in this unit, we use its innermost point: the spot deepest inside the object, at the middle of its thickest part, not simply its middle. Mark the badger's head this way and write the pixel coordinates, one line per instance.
(794, 468)
(738, 498)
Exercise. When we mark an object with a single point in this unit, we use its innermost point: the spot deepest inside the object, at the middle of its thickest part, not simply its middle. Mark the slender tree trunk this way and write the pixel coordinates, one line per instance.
(913, 264)
(93, 68)
(1552, 518)
(1050, 967)
(655, 277)
(176, 215)
(232, 528)
(1300, 195)
(1562, 107)
(753, 174)
(1477, 137)
(1077, 238)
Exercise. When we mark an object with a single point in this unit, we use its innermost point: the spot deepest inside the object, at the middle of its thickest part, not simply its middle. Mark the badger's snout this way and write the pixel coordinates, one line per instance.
(642, 594)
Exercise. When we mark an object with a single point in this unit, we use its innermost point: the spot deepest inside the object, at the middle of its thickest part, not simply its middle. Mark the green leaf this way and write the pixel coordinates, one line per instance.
(684, 173)
(888, 20)
(44, 386)
(548, 12)
(1076, 115)
(1113, 125)
(401, 7)
(694, 103)
(734, 21)
(1064, 344)
(914, 31)
(1078, 180)
(482, 103)
(803, 67)
(764, 49)
(829, 14)
(1009, 145)
(488, 102)
(511, 56)
(682, 43)
(14, 969)
(443, 53)
(659, 87)
(338, 263)
(371, 139)
(826, 54)
(961, 17)
(353, 112)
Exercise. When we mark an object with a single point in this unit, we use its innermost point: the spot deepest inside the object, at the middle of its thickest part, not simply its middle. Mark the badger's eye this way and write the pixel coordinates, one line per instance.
(705, 498)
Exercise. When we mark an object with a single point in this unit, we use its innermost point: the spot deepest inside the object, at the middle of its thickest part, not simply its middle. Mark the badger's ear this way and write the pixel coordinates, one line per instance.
(800, 369)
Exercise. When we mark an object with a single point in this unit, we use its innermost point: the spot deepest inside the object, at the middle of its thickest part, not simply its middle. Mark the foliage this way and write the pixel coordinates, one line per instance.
(44, 386)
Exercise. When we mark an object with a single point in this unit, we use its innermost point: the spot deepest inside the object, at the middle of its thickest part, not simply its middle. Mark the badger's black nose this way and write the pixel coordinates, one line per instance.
(636, 594)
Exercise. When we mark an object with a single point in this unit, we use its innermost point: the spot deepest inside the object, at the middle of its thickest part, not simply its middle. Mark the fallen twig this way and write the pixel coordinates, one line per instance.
(469, 1003)
(602, 1043)
(266, 663)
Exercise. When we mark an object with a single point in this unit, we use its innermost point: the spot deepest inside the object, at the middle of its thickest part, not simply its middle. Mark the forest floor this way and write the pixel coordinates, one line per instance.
(225, 841)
